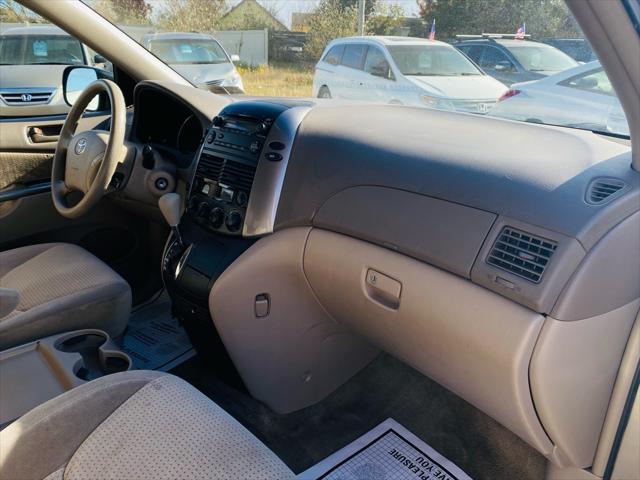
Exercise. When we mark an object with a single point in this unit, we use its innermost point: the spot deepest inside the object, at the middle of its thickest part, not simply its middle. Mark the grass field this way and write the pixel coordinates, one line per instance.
(278, 80)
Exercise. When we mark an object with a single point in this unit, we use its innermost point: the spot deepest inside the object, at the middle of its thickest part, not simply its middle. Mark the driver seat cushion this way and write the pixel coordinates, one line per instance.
(62, 287)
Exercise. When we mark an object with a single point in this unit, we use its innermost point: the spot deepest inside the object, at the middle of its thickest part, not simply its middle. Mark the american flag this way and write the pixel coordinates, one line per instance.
(521, 32)
(432, 33)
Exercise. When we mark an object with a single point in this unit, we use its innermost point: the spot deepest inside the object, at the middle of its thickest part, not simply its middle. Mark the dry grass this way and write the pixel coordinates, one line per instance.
(278, 80)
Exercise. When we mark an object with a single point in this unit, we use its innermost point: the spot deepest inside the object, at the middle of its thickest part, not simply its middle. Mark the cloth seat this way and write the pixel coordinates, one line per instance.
(135, 425)
(62, 287)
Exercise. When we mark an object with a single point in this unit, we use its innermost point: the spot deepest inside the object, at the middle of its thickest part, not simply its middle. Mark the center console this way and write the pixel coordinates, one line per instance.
(232, 200)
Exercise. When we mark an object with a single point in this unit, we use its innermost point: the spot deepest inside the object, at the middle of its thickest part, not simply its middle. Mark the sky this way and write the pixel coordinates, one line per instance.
(286, 7)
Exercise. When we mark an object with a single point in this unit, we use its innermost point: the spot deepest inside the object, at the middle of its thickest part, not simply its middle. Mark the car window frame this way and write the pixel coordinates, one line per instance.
(330, 49)
(502, 52)
(566, 83)
(381, 51)
(364, 57)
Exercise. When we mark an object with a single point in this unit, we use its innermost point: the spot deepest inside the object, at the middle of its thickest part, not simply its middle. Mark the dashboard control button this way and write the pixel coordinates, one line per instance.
(216, 217)
(234, 221)
(277, 146)
(203, 210)
(211, 137)
(273, 156)
(254, 147)
(218, 121)
(241, 198)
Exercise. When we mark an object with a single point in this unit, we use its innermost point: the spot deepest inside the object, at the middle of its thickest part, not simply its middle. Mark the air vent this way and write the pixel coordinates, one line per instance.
(233, 174)
(601, 189)
(521, 253)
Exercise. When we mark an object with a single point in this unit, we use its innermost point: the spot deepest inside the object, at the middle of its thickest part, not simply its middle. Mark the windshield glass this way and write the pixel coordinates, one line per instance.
(425, 60)
(527, 69)
(541, 59)
(40, 50)
(187, 50)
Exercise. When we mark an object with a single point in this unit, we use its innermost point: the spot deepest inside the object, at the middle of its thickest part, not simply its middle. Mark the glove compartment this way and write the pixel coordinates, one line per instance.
(472, 341)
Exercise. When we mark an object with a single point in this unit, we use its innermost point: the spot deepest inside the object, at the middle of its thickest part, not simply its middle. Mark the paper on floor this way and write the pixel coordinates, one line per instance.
(387, 452)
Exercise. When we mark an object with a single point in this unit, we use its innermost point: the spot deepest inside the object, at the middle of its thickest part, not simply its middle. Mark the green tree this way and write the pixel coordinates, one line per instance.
(331, 19)
(370, 6)
(544, 18)
(125, 11)
(385, 20)
(192, 15)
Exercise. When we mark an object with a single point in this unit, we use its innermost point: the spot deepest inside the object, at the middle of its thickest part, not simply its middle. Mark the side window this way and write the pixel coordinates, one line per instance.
(472, 51)
(334, 56)
(376, 64)
(492, 58)
(593, 81)
(354, 56)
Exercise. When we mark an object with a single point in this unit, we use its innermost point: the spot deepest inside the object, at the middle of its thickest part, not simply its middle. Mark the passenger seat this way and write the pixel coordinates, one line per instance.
(134, 425)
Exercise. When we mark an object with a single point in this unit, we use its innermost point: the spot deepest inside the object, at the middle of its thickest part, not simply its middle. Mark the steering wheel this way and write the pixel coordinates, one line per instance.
(86, 161)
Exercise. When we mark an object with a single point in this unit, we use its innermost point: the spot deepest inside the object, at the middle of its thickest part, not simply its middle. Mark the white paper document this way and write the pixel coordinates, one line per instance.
(387, 452)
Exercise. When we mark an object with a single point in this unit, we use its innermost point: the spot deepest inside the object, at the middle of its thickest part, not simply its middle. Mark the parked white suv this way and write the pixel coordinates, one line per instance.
(404, 71)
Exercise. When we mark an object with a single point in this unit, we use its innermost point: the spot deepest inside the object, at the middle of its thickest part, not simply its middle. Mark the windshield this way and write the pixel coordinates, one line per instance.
(40, 50)
(542, 59)
(311, 49)
(425, 60)
(186, 51)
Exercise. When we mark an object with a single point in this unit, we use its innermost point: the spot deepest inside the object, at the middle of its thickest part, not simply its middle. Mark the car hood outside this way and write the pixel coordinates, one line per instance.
(471, 87)
(203, 73)
(31, 76)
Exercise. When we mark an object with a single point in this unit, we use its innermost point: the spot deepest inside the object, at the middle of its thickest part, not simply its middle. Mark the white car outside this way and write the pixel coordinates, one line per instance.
(581, 97)
(404, 71)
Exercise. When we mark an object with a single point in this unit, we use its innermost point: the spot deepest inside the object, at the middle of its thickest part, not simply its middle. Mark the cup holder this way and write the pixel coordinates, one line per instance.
(96, 361)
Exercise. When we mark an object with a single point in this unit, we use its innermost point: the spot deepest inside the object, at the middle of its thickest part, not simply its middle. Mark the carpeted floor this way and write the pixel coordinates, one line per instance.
(386, 388)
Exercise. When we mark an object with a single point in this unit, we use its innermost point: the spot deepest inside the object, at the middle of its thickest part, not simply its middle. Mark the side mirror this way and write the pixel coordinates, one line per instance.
(235, 58)
(97, 58)
(76, 79)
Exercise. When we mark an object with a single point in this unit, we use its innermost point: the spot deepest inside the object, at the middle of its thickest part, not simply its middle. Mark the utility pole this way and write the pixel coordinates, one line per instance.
(361, 5)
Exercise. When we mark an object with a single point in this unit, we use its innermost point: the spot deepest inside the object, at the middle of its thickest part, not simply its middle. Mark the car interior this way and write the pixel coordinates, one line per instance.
(333, 264)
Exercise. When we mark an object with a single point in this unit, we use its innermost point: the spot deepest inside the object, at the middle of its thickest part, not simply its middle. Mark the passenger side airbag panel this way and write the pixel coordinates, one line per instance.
(442, 233)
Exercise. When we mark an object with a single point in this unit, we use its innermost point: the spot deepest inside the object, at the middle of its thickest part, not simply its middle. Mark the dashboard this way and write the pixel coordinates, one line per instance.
(419, 231)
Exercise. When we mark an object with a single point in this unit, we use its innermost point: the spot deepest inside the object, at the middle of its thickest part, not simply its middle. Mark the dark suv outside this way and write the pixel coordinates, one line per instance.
(512, 61)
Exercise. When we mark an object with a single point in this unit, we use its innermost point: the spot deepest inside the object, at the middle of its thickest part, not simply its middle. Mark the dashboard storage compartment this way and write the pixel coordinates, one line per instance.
(33, 373)
(470, 340)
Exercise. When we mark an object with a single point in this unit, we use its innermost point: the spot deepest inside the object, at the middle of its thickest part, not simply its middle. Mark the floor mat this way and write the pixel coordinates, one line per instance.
(386, 388)
(388, 451)
(154, 339)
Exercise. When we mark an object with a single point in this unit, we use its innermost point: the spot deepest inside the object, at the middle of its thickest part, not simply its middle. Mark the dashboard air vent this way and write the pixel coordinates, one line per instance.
(602, 188)
(521, 253)
(231, 173)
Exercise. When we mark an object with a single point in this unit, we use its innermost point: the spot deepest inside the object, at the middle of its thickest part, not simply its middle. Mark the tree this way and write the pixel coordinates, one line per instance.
(332, 19)
(192, 15)
(12, 12)
(370, 6)
(385, 20)
(125, 11)
(544, 18)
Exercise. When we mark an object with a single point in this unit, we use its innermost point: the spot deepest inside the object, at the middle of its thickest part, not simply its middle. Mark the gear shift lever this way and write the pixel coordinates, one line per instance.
(169, 204)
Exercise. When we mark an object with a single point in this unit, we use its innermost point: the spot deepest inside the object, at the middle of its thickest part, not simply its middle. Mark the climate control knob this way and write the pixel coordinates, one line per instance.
(203, 210)
(216, 217)
(234, 221)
